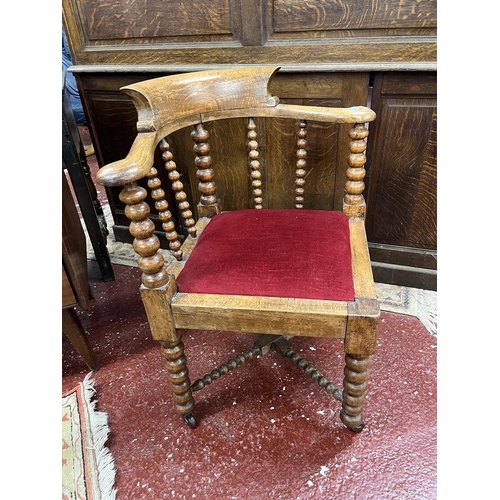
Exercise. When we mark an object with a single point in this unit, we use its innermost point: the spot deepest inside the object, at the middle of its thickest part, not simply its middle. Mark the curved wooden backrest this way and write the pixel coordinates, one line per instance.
(170, 103)
(173, 98)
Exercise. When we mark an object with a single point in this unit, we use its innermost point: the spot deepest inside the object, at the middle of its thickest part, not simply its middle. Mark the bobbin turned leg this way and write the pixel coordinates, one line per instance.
(178, 374)
(359, 344)
(157, 305)
(158, 287)
(353, 396)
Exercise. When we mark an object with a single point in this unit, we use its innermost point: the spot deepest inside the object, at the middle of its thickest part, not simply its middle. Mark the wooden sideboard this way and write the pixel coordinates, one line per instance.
(342, 53)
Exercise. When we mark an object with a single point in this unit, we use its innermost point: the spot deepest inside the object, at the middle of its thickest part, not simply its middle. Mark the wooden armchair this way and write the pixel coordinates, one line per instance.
(274, 271)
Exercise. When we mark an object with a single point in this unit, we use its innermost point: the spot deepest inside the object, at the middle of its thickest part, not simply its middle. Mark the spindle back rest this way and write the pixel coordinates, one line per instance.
(167, 104)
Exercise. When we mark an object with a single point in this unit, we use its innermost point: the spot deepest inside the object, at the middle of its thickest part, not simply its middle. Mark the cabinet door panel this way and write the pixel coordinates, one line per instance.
(155, 21)
(398, 168)
(300, 15)
(402, 180)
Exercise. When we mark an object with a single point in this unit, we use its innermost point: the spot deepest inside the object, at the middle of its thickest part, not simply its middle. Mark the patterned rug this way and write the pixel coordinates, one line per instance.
(88, 470)
(410, 301)
(393, 298)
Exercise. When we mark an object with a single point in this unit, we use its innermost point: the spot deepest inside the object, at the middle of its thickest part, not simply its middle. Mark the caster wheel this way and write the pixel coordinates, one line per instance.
(190, 420)
(359, 428)
(351, 422)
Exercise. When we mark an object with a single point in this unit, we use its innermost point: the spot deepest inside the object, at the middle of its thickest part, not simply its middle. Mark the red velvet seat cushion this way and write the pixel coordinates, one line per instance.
(272, 253)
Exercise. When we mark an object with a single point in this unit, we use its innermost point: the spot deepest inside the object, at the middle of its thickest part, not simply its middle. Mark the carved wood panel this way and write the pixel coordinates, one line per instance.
(154, 21)
(292, 16)
(168, 32)
(402, 184)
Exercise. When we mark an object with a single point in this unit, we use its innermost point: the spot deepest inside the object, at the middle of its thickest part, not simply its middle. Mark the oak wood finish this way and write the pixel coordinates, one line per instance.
(226, 367)
(241, 31)
(178, 374)
(159, 116)
(115, 132)
(275, 137)
(324, 16)
(166, 105)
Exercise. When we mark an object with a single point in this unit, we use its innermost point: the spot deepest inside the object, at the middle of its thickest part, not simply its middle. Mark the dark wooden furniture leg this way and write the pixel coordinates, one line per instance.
(359, 345)
(175, 363)
(353, 396)
(76, 334)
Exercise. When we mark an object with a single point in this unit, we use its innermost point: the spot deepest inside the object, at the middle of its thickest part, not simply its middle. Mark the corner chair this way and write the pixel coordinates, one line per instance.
(276, 271)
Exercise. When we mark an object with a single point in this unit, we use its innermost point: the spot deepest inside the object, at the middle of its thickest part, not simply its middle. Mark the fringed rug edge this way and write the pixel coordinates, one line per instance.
(96, 424)
(427, 310)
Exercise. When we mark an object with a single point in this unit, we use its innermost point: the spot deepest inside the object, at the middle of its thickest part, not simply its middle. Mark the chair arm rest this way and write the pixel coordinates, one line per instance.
(141, 156)
(135, 166)
(355, 114)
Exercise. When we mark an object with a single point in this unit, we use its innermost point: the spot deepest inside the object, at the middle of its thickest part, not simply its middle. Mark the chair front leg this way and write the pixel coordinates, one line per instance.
(157, 304)
(360, 343)
(355, 381)
(178, 374)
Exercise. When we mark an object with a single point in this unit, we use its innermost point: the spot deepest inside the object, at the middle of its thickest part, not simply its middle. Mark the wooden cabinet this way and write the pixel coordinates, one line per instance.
(333, 53)
(289, 32)
(401, 218)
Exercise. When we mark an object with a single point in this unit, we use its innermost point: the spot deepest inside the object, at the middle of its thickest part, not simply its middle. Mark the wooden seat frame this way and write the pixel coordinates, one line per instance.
(167, 104)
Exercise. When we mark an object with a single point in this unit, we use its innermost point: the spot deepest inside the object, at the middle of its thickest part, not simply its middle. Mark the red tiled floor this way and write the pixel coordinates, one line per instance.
(265, 430)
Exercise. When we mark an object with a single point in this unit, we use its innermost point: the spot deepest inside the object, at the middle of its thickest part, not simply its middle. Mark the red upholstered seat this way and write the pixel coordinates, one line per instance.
(247, 252)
